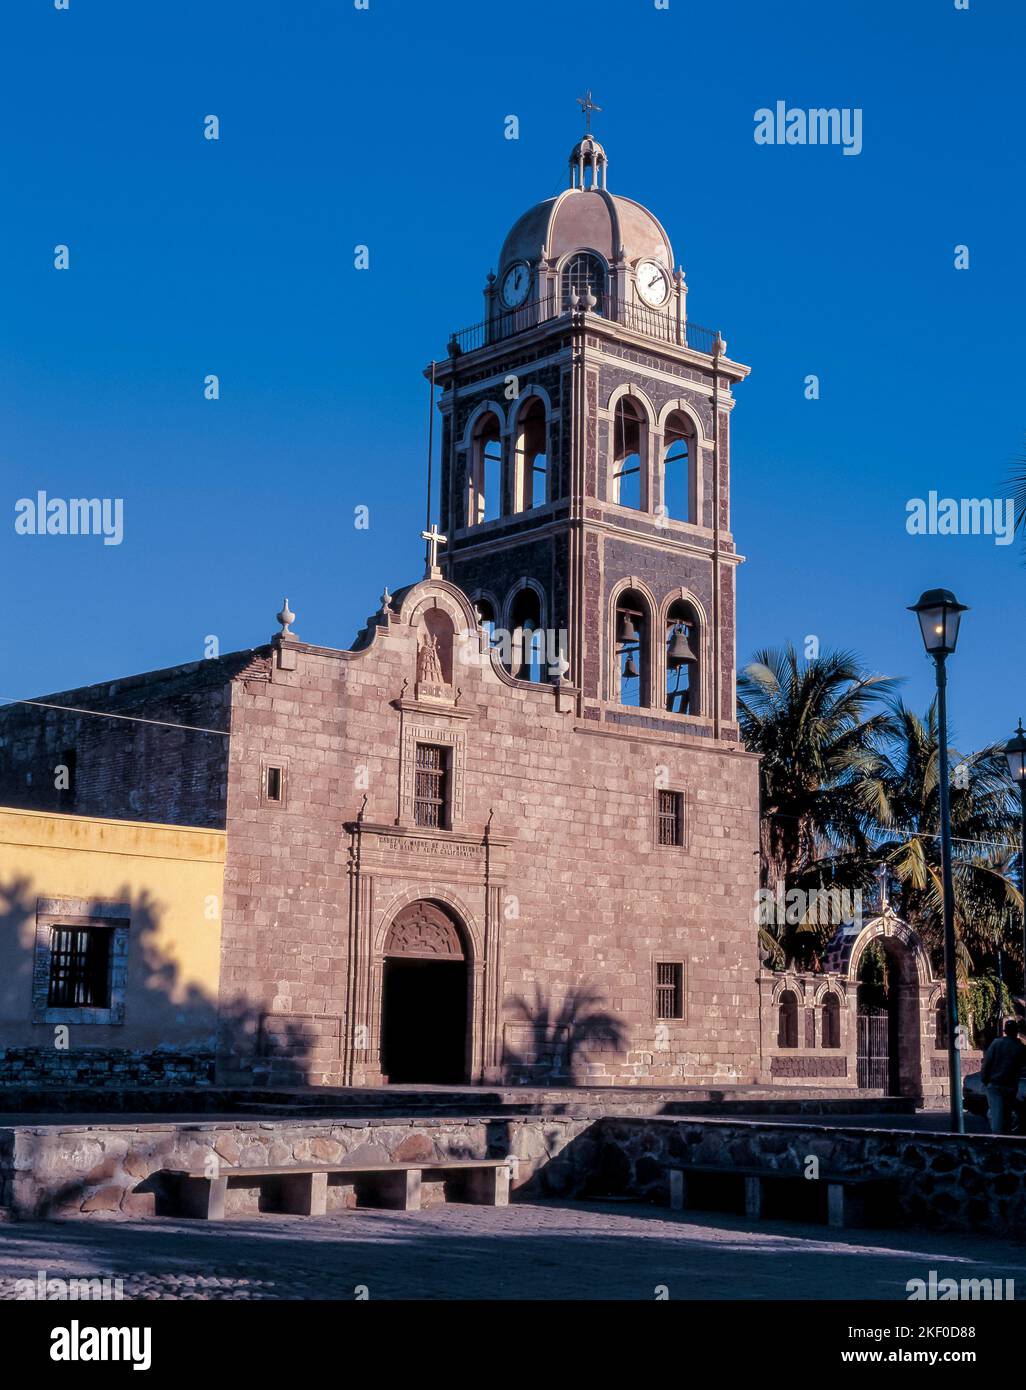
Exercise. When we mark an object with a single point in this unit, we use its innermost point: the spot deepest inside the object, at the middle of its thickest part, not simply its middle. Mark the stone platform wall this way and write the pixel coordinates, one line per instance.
(104, 1169)
(943, 1181)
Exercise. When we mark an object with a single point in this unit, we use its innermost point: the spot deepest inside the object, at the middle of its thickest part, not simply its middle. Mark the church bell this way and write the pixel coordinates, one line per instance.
(680, 650)
(630, 668)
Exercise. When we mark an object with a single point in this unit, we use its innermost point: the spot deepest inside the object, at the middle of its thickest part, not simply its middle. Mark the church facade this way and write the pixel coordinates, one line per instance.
(511, 834)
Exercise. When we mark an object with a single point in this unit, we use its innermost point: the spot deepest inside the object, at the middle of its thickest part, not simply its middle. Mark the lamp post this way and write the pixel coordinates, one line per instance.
(1015, 752)
(939, 614)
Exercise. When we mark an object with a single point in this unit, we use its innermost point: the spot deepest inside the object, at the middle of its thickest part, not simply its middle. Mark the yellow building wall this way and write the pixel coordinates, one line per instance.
(173, 881)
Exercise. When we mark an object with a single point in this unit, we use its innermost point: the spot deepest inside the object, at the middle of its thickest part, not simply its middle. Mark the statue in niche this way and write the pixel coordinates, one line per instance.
(429, 665)
(435, 657)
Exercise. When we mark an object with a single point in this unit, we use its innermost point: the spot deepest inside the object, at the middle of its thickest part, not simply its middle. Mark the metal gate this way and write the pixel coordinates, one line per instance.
(873, 1064)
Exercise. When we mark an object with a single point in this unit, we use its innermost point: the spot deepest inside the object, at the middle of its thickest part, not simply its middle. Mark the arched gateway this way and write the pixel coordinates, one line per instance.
(424, 1006)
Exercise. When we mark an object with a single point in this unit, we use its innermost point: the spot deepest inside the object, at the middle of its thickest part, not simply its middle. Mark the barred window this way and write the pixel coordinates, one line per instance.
(79, 968)
(671, 818)
(431, 786)
(669, 989)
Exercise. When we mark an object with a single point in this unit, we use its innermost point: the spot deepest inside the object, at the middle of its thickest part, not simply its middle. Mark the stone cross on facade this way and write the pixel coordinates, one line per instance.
(882, 877)
(434, 539)
(587, 107)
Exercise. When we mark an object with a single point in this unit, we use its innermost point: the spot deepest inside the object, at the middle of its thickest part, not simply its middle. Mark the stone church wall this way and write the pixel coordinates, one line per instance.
(565, 910)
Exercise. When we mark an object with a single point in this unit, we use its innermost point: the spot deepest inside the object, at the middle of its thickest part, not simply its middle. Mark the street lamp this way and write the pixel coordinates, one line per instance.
(1015, 752)
(939, 614)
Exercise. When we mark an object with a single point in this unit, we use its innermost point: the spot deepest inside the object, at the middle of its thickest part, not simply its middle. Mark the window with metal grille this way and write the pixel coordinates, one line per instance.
(79, 968)
(585, 272)
(671, 818)
(669, 989)
(431, 786)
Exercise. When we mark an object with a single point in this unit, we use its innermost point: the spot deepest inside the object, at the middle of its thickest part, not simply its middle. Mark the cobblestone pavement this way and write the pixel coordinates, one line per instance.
(540, 1250)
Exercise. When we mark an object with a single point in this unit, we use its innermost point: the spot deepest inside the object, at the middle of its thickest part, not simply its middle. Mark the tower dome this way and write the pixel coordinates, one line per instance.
(586, 217)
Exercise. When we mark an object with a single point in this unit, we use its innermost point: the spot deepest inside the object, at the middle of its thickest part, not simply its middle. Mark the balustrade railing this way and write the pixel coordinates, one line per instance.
(653, 323)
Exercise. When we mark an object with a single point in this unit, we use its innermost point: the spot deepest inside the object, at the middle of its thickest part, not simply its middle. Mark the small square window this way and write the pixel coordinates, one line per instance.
(274, 783)
(79, 968)
(669, 989)
(670, 818)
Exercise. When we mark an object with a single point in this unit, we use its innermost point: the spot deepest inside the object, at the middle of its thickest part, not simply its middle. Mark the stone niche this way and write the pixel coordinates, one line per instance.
(435, 641)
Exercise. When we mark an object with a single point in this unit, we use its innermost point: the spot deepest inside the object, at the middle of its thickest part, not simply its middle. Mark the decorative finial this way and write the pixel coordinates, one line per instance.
(720, 346)
(587, 107)
(386, 601)
(285, 617)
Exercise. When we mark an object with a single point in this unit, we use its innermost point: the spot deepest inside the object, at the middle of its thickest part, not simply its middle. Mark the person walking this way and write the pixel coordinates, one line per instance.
(1004, 1063)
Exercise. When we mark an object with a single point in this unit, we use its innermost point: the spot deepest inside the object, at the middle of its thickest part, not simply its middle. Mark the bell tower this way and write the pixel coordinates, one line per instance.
(585, 466)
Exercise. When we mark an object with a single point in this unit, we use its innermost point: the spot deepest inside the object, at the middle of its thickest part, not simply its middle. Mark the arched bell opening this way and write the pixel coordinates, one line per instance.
(683, 694)
(631, 683)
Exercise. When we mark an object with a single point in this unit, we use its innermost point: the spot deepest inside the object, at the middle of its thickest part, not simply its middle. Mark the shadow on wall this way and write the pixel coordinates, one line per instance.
(549, 1044)
(171, 1025)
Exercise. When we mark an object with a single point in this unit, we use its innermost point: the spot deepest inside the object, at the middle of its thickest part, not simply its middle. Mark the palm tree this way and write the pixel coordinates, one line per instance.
(818, 725)
(900, 796)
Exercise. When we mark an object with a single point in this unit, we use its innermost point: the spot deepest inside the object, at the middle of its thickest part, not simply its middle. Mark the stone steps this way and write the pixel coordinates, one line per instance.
(409, 1102)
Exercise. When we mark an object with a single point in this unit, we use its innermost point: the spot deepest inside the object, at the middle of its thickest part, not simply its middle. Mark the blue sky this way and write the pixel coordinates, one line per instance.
(385, 127)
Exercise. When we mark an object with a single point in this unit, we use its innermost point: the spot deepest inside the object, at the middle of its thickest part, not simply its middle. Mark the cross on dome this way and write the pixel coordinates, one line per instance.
(588, 154)
(587, 107)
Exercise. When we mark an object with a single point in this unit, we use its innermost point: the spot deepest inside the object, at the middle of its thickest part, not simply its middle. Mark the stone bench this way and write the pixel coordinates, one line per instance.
(303, 1188)
(846, 1193)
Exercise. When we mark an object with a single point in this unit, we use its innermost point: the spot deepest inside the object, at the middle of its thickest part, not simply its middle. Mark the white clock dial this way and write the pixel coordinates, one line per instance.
(653, 283)
(515, 284)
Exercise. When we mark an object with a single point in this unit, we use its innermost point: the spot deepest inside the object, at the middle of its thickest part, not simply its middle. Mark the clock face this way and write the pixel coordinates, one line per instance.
(653, 283)
(515, 284)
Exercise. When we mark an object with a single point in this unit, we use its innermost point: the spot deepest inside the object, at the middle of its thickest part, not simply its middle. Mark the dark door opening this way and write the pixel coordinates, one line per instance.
(424, 1021)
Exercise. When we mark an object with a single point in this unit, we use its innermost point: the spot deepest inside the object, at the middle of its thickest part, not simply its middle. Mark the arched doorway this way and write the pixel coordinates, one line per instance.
(424, 998)
(888, 1039)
